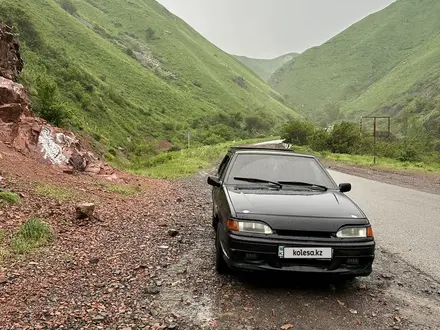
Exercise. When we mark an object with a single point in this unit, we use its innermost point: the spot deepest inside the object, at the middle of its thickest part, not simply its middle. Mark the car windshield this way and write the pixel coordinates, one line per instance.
(285, 168)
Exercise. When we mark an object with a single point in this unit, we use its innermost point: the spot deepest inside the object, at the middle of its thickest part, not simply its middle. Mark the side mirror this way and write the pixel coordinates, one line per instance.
(214, 181)
(345, 187)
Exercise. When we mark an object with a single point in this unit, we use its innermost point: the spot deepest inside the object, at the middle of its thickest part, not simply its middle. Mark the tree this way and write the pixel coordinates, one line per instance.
(297, 132)
(49, 105)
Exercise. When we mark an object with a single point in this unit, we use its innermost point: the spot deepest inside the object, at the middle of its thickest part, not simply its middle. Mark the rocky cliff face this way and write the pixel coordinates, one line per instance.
(25, 132)
(11, 62)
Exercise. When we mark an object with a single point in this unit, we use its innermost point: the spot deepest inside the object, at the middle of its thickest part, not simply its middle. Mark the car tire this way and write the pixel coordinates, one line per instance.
(220, 264)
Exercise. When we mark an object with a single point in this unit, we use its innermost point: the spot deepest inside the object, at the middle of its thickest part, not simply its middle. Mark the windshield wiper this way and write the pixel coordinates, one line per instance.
(304, 184)
(258, 181)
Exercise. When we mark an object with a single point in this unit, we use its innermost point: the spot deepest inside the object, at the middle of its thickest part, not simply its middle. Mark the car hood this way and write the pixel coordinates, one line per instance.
(329, 204)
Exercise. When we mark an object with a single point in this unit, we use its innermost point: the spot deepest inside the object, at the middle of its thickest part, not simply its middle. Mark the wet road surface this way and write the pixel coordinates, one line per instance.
(396, 295)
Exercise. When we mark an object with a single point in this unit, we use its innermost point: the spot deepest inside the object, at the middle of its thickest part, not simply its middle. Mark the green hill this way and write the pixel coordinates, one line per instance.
(129, 72)
(263, 67)
(387, 63)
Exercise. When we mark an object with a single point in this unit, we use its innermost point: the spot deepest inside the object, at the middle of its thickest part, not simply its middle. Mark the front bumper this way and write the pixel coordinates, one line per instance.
(251, 253)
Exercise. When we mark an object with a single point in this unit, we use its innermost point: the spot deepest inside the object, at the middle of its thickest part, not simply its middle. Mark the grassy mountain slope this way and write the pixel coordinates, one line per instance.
(128, 72)
(265, 68)
(386, 63)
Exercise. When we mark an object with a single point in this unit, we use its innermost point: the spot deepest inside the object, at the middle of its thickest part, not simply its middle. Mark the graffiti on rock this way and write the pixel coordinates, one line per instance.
(52, 148)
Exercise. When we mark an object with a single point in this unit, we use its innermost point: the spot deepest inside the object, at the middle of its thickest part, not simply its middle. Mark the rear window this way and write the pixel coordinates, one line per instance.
(278, 168)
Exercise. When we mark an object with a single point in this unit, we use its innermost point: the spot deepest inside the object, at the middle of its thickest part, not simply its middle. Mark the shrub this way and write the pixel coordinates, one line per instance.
(297, 132)
(257, 123)
(68, 6)
(213, 139)
(9, 197)
(150, 34)
(49, 106)
(130, 52)
(408, 152)
(32, 234)
(319, 140)
(240, 81)
(344, 138)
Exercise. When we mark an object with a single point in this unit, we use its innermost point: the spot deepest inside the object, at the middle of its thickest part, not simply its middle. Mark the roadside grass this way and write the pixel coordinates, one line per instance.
(367, 161)
(32, 234)
(3, 250)
(125, 190)
(57, 193)
(187, 162)
(9, 197)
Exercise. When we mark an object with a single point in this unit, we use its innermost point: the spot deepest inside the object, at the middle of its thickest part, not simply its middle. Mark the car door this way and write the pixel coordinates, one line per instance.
(218, 195)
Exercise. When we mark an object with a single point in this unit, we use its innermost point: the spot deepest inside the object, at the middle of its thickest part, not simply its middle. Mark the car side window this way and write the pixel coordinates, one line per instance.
(223, 165)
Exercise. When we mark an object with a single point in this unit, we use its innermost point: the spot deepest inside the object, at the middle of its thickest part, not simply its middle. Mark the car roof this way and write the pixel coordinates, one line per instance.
(263, 150)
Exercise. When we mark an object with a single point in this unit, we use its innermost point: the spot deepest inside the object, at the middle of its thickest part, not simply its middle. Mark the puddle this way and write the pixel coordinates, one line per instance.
(183, 294)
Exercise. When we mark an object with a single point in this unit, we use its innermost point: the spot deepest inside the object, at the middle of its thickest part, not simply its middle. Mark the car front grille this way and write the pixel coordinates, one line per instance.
(311, 234)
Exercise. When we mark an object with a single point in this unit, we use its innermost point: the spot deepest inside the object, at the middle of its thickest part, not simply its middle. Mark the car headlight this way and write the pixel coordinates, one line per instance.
(355, 232)
(249, 227)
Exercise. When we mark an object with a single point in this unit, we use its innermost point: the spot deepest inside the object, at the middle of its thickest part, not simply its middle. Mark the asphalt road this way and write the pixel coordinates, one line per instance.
(405, 222)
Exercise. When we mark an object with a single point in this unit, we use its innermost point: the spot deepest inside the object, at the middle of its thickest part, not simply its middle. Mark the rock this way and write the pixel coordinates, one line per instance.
(353, 311)
(163, 247)
(11, 62)
(387, 276)
(179, 200)
(397, 319)
(173, 326)
(85, 211)
(94, 260)
(287, 326)
(99, 318)
(362, 286)
(151, 290)
(173, 232)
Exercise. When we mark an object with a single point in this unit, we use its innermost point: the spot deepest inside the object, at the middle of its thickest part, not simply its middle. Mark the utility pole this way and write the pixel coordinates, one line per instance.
(375, 130)
(188, 138)
(374, 141)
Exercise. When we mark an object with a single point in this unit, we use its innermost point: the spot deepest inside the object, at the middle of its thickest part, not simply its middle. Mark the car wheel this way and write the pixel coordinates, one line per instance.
(220, 264)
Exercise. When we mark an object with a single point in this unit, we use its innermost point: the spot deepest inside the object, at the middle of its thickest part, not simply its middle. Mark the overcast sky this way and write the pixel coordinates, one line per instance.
(269, 28)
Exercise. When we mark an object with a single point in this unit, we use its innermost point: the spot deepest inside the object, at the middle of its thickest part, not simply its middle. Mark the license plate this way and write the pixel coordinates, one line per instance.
(304, 253)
